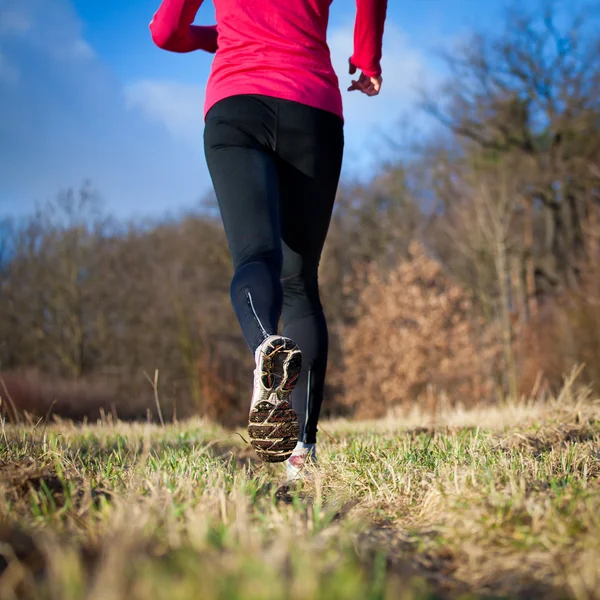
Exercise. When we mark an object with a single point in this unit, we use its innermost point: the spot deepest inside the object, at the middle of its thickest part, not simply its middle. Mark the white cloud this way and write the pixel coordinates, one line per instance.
(66, 120)
(178, 106)
(53, 26)
(13, 23)
(404, 68)
(13, 19)
(66, 117)
(402, 65)
(9, 73)
(77, 49)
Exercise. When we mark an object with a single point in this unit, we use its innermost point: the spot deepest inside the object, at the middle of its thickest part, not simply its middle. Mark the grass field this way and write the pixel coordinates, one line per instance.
(496, 503)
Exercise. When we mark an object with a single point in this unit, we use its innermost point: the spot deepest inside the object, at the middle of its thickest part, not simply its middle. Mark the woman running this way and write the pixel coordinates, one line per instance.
(274, 141)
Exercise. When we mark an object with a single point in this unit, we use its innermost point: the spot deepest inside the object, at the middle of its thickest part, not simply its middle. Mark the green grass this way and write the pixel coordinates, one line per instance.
(500, 502)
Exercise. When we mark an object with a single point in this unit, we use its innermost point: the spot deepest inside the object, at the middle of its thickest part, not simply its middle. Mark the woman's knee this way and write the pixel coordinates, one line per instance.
(300, 296)
(269, 256)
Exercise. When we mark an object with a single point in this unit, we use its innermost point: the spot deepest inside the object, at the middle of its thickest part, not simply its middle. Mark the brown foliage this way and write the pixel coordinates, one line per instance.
(225, 384)
(93, 305)
(415, 329)
(567, 330)
(42, 396)
(567, 333)
(514, 192)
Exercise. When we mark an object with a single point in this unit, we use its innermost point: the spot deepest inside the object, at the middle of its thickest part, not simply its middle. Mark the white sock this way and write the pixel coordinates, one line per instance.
(302, 448)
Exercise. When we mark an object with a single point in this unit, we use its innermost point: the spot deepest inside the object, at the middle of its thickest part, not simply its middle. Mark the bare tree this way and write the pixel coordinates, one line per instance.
(533, 92)
(494, 201)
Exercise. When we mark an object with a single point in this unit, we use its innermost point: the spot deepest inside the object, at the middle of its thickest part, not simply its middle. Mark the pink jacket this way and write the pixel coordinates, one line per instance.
(276, 48)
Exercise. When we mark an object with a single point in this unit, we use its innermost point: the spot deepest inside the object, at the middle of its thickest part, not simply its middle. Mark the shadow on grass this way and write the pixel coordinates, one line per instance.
(413, 557)
(397, 558)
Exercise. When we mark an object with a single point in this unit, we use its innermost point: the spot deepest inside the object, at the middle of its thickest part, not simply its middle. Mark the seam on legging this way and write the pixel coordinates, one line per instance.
(305, 437)
(258, 321)
(276, 125)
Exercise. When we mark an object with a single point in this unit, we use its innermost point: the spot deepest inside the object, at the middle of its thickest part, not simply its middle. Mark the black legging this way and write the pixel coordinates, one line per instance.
(275, 167)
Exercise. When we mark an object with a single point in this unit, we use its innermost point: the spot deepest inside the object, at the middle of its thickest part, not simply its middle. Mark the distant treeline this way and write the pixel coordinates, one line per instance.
(494, 290)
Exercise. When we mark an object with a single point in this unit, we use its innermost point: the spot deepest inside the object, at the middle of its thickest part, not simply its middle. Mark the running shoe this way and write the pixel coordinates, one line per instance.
(273, 424)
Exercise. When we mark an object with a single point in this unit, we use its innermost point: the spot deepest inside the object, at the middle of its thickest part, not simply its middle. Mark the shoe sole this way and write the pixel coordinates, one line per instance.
(273, 424)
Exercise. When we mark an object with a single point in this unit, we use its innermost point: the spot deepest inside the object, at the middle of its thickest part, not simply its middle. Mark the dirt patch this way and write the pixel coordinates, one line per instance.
(18, 545)
(420, 555)
(442, 430)
(242, 457)
(550, 438)
(18, 479)
(406, 559)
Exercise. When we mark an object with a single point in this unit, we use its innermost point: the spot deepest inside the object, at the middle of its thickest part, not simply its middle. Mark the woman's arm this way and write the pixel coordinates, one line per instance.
(172, 28)
(368, 36)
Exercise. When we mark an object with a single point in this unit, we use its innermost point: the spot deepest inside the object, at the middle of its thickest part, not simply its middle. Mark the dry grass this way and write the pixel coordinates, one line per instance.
(499, 502)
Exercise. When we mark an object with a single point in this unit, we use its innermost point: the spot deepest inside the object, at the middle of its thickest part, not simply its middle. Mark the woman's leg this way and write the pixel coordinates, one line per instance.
(238, 140)
(310, 148)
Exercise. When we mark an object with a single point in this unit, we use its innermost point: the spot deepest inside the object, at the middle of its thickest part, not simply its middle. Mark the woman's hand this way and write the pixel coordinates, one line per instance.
(367, 85)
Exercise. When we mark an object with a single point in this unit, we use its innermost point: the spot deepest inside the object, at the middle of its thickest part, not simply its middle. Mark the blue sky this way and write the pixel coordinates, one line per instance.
(86, 95)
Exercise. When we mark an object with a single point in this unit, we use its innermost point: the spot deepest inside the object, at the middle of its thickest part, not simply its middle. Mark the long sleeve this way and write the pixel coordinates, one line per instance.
(172, 28)
(368, 36)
